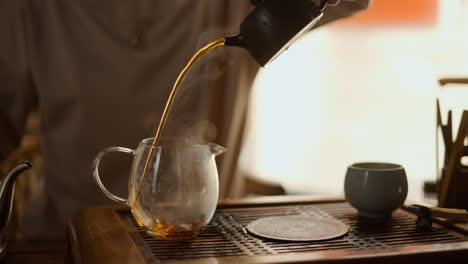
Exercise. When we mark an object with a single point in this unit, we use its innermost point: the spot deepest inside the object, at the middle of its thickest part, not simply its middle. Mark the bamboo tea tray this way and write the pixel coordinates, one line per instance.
(110, 235)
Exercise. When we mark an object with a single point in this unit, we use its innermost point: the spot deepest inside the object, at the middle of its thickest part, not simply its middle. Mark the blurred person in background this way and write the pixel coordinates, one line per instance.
(100, 73)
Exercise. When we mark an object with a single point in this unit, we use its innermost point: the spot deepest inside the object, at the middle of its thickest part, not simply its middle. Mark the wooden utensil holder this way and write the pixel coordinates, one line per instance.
(452, 186)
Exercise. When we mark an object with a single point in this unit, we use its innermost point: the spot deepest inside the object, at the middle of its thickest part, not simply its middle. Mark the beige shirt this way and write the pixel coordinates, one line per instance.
(101, 71)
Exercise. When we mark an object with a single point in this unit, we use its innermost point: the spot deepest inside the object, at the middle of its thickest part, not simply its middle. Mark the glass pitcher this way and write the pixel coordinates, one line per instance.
(179, 191)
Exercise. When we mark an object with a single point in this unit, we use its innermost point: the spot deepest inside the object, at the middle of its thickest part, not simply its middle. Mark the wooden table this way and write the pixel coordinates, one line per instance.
(92, 231)
(37, 251)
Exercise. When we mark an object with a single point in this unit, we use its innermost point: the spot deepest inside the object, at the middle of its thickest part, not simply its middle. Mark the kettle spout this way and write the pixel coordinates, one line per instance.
(7, 185)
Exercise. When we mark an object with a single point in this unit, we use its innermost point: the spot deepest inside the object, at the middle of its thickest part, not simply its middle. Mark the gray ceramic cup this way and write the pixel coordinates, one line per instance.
(375, 189)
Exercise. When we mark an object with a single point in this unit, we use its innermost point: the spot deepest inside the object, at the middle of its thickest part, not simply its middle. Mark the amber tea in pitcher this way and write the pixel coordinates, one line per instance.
(169, 225)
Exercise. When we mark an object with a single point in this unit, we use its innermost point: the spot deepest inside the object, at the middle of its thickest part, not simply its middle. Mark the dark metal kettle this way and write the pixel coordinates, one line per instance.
(7, 190)
(274, 25)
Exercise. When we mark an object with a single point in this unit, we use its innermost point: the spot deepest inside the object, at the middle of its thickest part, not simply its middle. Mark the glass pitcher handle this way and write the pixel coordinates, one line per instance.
(97, 178)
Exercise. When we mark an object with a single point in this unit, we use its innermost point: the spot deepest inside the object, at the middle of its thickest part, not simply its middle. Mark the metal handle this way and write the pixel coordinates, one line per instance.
(445, 81)
(97, 178)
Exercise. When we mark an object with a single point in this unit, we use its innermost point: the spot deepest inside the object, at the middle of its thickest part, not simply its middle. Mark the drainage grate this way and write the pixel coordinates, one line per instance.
(226, 234)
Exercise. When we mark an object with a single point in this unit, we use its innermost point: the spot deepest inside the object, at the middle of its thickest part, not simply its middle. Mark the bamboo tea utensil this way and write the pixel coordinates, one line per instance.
(446, 132)
(446, 135)
(454, 159)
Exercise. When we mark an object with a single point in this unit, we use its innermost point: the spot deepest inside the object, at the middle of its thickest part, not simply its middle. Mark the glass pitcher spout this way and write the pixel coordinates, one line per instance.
(216, 149)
